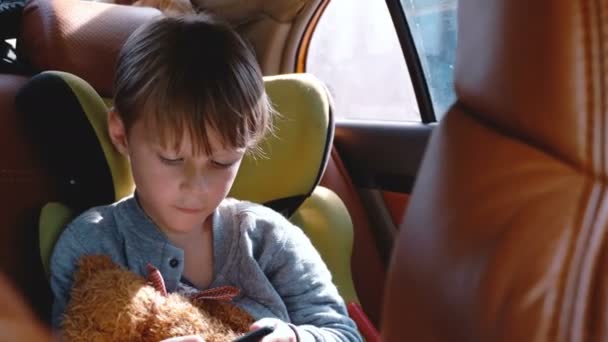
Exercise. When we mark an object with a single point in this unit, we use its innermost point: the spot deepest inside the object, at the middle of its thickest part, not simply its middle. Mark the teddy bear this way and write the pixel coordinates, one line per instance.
(109, 303)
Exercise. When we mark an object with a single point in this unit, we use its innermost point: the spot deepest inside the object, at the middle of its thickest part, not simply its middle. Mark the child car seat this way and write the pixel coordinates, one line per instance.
(94, 173)
(77, 148)
(66, 116)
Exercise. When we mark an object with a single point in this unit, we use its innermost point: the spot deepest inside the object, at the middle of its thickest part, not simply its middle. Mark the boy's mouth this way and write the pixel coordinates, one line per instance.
(189, 210)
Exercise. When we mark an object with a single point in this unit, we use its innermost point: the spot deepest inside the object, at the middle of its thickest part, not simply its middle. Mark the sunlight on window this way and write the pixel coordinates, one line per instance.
(356, 52)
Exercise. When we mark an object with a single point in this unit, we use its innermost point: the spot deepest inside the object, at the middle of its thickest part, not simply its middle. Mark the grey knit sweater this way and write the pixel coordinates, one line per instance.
(273, 262)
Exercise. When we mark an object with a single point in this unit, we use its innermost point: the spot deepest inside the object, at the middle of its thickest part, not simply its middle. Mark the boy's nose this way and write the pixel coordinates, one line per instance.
(197, 183)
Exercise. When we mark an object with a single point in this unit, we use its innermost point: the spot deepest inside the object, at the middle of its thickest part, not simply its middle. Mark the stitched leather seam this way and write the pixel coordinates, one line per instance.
(595, 253)
(572, 318)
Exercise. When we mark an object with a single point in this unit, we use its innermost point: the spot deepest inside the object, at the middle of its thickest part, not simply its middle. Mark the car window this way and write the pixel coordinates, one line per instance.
(356, 52)
(433, 25)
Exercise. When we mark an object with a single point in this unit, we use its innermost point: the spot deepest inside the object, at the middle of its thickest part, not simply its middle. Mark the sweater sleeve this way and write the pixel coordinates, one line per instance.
(303, 281)
(62, 266)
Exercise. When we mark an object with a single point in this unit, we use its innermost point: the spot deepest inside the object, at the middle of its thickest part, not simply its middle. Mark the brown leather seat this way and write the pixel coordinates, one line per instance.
(505, 235)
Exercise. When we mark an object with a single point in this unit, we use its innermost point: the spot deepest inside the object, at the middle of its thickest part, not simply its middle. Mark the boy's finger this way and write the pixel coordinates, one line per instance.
(281, 333)
(264, 322)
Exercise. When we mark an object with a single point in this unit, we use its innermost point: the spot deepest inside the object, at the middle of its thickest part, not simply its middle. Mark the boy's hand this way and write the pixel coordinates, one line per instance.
(282, 332)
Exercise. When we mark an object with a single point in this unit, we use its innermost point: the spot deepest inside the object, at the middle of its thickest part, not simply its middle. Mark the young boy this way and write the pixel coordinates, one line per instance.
(189, 103)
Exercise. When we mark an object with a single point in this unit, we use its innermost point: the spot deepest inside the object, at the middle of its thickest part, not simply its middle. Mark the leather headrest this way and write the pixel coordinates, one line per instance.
(80, 37)
(239, 11)
(534, 71)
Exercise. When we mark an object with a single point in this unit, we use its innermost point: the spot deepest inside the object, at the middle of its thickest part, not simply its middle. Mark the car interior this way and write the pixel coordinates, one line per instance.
(60, 41)
(482, 222)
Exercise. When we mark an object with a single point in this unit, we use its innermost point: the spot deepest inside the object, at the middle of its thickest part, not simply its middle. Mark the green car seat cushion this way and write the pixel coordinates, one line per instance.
(63, 120)
(325, 220)
(96, 110)
(296, 155)
(53, 217)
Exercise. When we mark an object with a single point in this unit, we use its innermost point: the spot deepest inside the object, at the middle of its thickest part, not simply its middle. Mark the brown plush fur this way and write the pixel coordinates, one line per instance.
(109, 303)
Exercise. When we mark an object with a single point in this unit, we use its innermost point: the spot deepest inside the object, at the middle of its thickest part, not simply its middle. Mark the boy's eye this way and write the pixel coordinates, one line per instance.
(222, 165)
(170, 161)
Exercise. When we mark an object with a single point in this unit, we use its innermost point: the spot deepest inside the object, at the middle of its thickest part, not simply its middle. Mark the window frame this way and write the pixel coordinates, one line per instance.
(412, 61)
(408, 47)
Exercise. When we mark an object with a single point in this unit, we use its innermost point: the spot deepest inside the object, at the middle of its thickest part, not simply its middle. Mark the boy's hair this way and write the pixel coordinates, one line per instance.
(190, 74)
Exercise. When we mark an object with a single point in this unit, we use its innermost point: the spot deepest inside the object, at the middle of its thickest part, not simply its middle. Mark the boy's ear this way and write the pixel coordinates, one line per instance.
(117, 132)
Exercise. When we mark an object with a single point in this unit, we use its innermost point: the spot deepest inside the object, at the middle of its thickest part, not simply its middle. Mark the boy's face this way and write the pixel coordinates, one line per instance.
(177, 189)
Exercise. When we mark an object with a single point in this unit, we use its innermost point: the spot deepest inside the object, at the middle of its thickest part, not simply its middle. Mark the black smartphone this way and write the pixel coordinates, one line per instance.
(256, 335)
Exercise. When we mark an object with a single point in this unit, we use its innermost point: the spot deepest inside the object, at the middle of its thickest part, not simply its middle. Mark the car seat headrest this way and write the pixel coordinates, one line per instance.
(68, 119)
(79, 37)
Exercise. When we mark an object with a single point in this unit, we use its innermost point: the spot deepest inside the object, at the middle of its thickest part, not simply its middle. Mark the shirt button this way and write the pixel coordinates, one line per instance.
(173, 262)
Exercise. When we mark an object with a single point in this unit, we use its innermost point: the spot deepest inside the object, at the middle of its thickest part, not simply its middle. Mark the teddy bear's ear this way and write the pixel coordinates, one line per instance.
(91, 264)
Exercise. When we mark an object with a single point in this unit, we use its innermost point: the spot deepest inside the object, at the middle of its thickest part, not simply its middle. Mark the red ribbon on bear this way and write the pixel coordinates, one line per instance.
(156, 279)
(223, 293)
